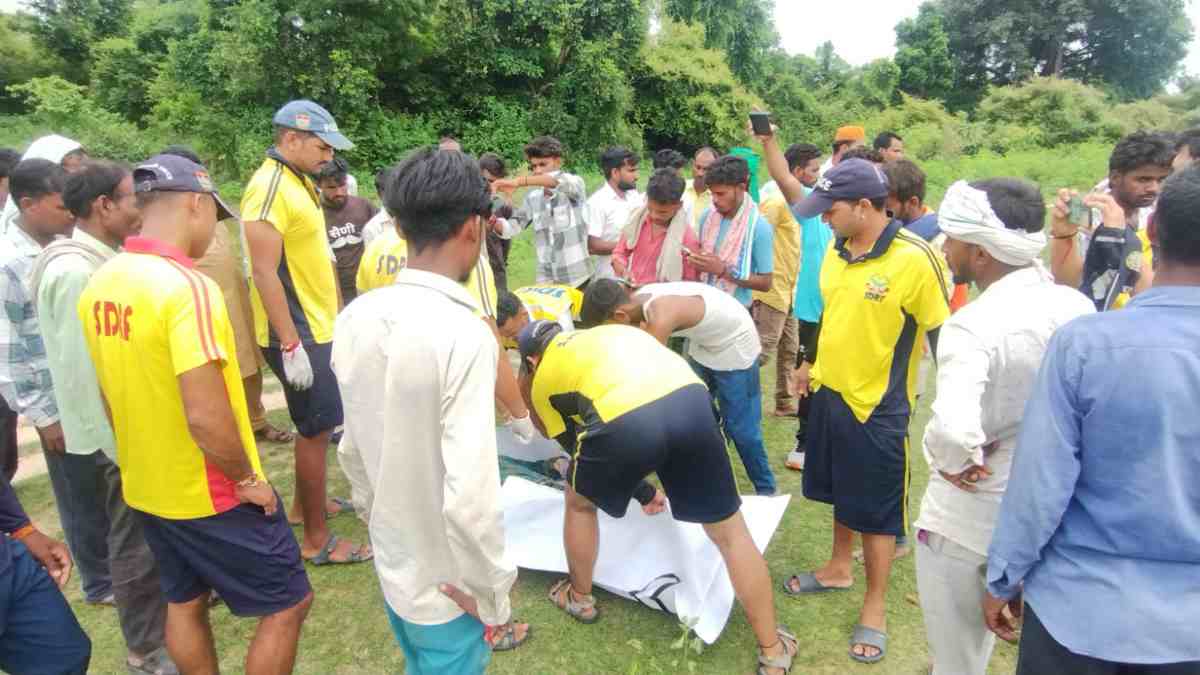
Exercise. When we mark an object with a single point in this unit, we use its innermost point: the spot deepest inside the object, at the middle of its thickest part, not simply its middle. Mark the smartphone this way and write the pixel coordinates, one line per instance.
(761, 122)
(1080, 215)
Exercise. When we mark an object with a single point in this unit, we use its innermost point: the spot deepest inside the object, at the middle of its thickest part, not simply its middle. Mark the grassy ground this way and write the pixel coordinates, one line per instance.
(347, 631)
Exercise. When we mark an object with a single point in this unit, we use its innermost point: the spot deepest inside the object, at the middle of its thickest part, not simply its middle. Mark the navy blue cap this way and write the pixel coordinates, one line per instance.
(172, 173)
(534, 337)
(304, 115)
(850, 180)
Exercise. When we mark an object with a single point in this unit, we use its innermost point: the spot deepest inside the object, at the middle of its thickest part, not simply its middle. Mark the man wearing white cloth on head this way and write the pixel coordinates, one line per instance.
(988, 356)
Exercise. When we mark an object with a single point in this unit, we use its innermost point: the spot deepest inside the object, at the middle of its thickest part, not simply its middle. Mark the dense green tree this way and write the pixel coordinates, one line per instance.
(1133, 47)
(21, 59)
(70, 28)
(743, 29)
(923, 55)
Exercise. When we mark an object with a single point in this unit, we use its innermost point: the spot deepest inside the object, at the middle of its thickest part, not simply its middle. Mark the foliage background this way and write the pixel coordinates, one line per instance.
(973, 82)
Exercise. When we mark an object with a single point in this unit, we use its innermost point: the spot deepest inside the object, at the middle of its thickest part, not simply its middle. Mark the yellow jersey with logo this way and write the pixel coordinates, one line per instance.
(878, 309)
(149, 317)
(588, 378)
(387, 254)
(279, 195)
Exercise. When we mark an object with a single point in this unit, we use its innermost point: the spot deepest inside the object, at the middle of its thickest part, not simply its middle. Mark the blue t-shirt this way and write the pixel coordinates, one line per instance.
(815, 236)
(762, 251)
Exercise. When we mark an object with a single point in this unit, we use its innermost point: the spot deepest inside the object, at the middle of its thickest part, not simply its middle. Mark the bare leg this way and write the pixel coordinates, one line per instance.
(189, 637)
(837, 572)
(877, 550)
(581, 538)
(750, 577)
(311, 489)
(273, 649)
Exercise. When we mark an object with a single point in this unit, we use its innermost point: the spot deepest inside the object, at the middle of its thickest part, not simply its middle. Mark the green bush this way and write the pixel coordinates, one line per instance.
(64, 108)
(1054, 111)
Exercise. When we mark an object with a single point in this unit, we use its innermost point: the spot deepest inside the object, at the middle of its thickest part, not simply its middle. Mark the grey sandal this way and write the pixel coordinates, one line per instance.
(808, 584)
(584, 609)
(325, 556)
(868, 637)
(791, 647)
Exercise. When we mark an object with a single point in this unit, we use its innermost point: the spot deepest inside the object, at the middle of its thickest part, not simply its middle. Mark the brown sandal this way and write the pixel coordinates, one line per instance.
(581, 607)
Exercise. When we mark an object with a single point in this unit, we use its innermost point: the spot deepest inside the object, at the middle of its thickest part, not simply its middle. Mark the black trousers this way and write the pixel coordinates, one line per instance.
(1041, 654)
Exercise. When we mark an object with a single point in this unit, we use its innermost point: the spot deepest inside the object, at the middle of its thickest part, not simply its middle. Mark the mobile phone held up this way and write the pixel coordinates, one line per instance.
(761, 122)
(1080, 215)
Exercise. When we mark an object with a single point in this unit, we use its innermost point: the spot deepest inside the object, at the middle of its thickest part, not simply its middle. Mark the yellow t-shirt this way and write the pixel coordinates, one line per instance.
(878, 309)
(387, 254)
(277, 194)
(383, 259)
(149, 317)
(588, 378)
(787, 255)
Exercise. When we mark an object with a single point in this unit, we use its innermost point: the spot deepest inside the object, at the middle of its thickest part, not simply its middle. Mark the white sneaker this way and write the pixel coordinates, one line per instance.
(795, 460)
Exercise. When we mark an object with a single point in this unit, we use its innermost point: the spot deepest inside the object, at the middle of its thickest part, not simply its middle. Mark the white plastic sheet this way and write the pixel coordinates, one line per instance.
(662, 563)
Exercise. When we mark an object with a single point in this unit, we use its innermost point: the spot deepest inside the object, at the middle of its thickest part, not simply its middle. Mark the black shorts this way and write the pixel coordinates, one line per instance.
(861, 469)
(252, 560)
(676, 437)
(319, 408)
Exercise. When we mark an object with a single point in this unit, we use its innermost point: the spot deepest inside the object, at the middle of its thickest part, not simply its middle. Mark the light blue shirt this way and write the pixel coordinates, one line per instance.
(762, 252)
(1101, 520)
(815, 236)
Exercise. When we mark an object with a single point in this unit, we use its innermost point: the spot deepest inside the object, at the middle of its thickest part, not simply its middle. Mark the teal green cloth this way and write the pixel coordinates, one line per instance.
(753, 160)
(540, 472)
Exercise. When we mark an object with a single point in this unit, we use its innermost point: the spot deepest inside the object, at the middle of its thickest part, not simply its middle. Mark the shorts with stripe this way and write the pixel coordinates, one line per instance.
(859, 468)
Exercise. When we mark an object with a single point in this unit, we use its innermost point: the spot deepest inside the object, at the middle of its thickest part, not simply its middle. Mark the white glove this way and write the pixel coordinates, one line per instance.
(522, 428)
(296, 367)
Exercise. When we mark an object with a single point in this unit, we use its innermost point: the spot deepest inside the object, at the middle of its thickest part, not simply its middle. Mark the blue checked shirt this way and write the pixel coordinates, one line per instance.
(560, 230)
(24, 371)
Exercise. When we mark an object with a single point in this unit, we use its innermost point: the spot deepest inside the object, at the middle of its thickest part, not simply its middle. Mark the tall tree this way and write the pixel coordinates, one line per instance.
(1133, 47)
(923, 55)
(69, 28)
(743, 29)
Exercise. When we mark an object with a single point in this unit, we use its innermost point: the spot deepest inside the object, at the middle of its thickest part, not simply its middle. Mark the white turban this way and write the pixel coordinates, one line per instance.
(966, 215)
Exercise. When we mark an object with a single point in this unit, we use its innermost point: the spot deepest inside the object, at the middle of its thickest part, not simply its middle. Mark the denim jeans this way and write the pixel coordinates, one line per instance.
(84, 517)
(737, 400)
(38, 631)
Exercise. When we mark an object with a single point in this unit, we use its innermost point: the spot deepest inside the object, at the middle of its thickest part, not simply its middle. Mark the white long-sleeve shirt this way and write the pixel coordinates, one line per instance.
(417, 372)
(988, 355)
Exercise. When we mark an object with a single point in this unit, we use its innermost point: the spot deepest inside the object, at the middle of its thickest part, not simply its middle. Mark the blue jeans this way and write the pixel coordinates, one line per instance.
(83, 511)
(39, 634)
(737, 400)
(453, 648)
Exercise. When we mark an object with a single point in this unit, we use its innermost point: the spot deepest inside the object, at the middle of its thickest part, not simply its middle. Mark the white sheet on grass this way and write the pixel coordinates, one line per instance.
(655, 560)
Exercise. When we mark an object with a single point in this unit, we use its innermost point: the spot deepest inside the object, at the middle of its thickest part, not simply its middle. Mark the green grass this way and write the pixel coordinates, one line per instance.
(347, 630)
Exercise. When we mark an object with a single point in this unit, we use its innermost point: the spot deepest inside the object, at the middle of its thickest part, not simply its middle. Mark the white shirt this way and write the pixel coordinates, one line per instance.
(725, 339)
(988, 355)
(609, 213)
(418, 388)
(825, 166)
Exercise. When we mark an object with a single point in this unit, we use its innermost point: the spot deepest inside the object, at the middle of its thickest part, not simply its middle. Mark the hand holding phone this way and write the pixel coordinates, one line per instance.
(760, 122)
(1080, 215)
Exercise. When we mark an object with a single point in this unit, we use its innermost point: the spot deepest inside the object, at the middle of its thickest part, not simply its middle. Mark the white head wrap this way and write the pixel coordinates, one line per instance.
(966, 214)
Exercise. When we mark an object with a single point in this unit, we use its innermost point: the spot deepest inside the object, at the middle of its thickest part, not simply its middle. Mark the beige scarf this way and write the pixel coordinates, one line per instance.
(669, 266)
